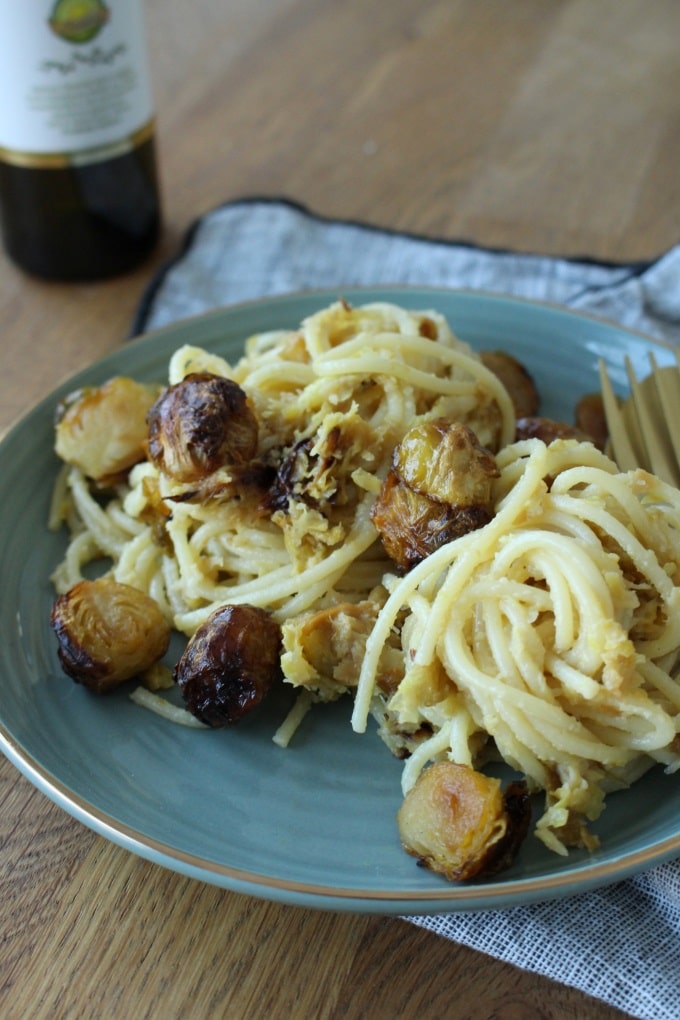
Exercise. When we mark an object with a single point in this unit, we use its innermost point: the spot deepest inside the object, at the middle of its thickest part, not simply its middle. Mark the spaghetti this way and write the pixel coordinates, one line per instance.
(549, 637)
(331, 399)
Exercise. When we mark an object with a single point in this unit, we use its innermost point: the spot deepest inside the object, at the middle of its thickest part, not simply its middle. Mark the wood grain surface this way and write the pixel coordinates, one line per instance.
(535, 125)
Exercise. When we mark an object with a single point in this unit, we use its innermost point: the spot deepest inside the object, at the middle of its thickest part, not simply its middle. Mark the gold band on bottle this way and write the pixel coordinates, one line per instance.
(60, 160)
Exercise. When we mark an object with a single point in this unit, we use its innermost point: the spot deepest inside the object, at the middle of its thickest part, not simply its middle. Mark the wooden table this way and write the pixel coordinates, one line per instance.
(539, 126)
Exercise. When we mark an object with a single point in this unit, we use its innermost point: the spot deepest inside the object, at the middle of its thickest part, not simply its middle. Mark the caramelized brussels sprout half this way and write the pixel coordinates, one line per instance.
(102, 430)
(459, 823)
(516, 379)
(108, 633)
(230, 664)
(412, 526)
(440, 487)
(445, 461)
(589, 417)
(548, 430)
(199, 425)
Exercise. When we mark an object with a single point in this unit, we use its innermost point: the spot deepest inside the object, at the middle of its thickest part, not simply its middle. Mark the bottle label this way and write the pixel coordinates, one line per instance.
(73, 80)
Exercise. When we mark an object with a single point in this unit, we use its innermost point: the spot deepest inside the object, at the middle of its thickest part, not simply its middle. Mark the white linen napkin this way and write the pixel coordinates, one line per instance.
(620, 944)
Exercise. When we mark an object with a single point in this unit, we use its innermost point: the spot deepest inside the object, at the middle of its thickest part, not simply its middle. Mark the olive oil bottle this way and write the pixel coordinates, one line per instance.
(79, 196)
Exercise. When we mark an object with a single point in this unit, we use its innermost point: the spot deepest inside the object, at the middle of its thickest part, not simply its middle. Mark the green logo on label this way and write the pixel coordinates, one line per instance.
(78, 21)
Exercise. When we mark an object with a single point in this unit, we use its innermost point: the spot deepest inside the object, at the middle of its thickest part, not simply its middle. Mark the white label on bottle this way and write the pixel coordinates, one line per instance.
(73, 74)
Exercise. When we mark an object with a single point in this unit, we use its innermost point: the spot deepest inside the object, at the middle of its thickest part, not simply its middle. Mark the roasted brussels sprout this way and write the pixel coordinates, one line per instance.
(102, 430)
(230, 664)
(199, 425)
(412, 526)
(459, 823)
(548, 430)
(440, 487)
(444, 460)
(516, 379)
(591, 419)
(108, 633)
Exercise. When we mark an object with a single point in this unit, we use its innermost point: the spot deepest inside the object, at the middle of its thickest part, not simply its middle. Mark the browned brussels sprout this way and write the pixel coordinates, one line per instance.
(108, 633)
(230, 664)
(548, 430)
(516, 379)
(459, 823)
(102, 430)
(589, 417)
(199, 425)
(440, 487)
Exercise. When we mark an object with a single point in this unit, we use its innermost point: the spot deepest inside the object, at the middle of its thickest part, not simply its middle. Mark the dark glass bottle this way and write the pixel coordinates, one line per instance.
(79, 194)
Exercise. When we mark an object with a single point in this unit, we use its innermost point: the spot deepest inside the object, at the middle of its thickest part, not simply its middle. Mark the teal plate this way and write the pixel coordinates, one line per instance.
(313, 825)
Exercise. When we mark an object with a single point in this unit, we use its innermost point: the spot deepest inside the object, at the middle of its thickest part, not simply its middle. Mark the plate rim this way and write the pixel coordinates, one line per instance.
(504, 895)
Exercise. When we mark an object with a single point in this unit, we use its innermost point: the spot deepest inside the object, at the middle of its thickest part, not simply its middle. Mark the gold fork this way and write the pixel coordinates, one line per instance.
(644, 431)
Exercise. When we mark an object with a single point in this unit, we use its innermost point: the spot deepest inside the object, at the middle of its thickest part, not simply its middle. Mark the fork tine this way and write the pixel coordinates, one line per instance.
(624, 455)
(667, 380)
(652, 425)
